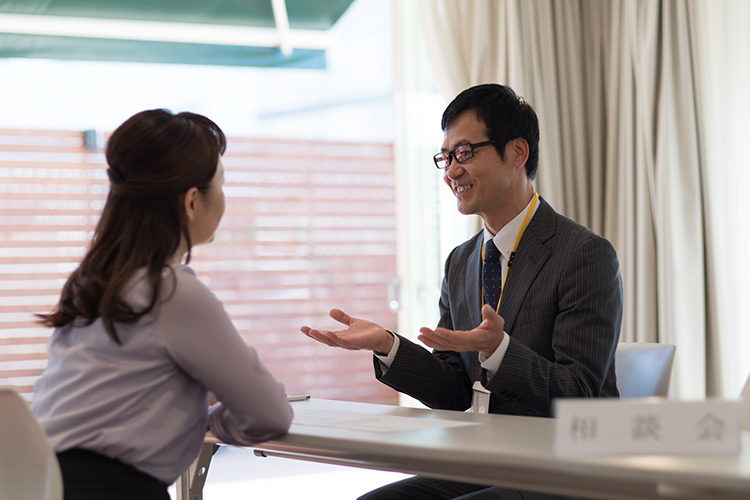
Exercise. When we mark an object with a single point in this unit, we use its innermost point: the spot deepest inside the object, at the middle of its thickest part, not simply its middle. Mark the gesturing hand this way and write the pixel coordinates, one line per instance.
(359, 334)
(485, 338)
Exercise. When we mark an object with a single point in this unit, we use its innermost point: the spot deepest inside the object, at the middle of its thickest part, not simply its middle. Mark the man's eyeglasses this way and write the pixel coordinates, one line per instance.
(461, 154)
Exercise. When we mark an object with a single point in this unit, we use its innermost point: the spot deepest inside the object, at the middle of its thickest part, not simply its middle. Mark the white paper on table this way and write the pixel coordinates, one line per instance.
(369, 422)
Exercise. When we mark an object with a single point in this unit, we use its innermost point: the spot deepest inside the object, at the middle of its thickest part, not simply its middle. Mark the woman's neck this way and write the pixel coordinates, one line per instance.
(179, 255)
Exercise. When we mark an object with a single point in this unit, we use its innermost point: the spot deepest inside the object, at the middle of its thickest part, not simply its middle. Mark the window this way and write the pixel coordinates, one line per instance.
(310, 222)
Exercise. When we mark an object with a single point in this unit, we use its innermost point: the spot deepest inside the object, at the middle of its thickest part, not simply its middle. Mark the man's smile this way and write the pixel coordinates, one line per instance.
(461, 189)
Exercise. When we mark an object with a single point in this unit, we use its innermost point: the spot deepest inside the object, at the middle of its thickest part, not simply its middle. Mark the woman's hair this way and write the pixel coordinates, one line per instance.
(154, 158)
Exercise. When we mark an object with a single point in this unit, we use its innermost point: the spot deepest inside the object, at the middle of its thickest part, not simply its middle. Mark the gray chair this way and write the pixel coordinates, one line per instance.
(643, 369)
(745, 397)
(28, 465)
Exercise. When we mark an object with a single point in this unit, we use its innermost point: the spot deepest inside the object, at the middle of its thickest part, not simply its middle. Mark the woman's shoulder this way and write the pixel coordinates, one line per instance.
(181, 292)
(182, 279)
(181, 285)
(188, 309)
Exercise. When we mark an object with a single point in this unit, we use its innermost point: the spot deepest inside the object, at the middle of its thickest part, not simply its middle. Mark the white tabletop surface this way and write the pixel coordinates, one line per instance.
(500, 450)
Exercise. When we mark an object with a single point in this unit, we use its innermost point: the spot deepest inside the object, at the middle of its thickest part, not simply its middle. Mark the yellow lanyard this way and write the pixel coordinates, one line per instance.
(526, 219)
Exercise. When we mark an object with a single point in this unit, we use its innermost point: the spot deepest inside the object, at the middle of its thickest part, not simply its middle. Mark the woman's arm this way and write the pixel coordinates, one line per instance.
(202, 340)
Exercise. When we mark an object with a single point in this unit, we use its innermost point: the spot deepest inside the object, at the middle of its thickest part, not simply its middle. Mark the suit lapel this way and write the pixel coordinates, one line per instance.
(473, 295)
(530, 257)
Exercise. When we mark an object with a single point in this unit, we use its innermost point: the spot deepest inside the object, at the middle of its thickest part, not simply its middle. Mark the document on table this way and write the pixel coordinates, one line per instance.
(369, 422)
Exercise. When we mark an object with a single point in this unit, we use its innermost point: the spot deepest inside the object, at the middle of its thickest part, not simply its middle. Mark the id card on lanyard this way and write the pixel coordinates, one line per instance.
(480, 401)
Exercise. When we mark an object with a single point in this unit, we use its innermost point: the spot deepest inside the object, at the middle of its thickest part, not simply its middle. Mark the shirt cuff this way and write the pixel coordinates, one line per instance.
(492, 363)
(387, 361)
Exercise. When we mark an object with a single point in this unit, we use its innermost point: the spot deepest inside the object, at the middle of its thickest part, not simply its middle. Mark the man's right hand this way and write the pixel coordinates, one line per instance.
(360, 334)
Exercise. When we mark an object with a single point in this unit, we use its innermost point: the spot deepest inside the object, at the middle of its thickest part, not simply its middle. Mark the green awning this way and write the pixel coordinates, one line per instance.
(93, 49)
(221, 32)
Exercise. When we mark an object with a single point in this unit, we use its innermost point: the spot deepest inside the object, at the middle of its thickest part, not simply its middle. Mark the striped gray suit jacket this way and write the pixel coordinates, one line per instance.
(562, 305)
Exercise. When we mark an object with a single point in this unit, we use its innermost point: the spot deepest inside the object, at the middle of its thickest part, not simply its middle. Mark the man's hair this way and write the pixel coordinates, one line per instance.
(506, 116)
(154, 158)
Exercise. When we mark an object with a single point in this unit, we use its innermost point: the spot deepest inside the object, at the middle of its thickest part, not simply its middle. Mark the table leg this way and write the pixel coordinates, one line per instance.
(190, 483)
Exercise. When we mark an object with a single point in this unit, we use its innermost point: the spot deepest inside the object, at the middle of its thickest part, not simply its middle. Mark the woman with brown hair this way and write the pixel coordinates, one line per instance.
(139, 342)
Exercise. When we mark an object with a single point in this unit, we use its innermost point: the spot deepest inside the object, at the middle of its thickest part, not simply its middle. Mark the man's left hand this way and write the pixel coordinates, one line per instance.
(485, 338)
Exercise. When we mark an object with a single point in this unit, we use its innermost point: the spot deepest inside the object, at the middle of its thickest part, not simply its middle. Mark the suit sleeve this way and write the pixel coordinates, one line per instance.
(439, 378)
(584, 336)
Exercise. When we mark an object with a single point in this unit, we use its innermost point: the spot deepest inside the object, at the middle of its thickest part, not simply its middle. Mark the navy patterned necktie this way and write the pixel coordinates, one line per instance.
(492, 274)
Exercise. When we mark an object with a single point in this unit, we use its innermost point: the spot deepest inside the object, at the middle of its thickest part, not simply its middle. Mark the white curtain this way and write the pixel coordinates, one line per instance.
(724, 49)
(614, 85)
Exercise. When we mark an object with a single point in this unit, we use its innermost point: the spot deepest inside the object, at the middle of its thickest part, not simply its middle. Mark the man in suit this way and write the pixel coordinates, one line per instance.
(530, 307)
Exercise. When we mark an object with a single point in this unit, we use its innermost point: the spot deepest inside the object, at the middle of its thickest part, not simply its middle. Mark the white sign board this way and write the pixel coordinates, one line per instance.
(646, 426)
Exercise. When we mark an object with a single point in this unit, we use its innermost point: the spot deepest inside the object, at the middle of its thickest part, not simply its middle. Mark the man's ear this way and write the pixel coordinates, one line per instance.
(190, 203)
(520, 151)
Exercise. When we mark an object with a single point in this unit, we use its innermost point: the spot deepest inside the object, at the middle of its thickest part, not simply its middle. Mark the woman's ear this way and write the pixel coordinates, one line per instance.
(190, 203)
(520, 152)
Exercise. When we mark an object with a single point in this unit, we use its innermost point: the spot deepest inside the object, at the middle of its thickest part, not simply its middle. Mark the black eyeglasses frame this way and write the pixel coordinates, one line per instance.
(451, 155)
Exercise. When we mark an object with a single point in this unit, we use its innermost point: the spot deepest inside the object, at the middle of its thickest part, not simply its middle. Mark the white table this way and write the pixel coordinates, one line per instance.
(502, 450)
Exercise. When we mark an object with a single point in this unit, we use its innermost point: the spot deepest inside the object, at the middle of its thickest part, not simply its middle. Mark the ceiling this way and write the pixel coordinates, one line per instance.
(223, 32)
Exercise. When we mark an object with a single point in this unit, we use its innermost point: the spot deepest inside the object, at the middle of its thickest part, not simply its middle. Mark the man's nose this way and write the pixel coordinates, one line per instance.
(454, 171)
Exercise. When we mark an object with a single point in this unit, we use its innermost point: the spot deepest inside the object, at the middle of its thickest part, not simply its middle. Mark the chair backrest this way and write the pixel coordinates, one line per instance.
(643, 369)
(745, 395)
(28, 465)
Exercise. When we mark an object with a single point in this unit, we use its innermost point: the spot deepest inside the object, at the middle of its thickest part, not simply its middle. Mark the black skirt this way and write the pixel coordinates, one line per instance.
(91, 476)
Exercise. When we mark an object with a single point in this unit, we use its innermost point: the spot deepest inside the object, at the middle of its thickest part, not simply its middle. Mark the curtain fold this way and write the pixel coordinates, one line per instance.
(614, 84)
(723, 44)
(681, 251)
